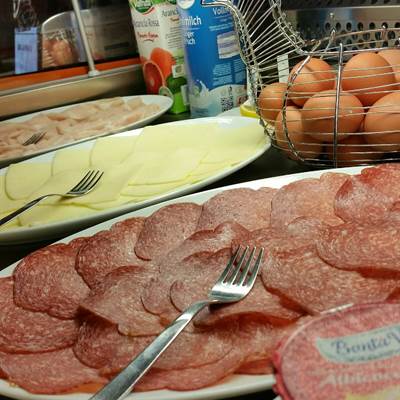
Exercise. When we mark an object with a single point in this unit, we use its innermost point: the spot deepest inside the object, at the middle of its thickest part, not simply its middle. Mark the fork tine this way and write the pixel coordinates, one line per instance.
(227, 269)
(95, 180)
(246, 268)
(236, 271)
(78, 186)
(254, 271)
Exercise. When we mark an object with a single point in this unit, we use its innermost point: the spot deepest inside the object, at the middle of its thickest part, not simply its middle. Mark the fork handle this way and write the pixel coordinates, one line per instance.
(24, 208)
(123, 383)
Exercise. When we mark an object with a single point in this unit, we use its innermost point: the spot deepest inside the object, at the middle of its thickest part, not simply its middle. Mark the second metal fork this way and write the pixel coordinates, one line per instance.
(233, 285)
(84, 186)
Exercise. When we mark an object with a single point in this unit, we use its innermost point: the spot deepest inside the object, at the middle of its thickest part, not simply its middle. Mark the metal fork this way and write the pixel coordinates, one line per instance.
(36, 137)
(233, 285)
(84, 186)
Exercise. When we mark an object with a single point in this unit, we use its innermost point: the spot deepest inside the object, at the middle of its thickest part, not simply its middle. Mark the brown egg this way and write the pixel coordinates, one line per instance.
(384, 116)
(271, 99)
(316, 76)
(304, 144)
(392, 56)
(318, 115)
(368, 76)
(353, 150)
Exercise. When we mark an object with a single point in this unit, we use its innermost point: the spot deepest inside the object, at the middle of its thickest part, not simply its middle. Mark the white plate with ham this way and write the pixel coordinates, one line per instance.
(141, 167)
(75, 312)
(77, 123)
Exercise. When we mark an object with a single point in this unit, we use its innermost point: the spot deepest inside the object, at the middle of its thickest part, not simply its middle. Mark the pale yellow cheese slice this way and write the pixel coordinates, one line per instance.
(167, 138)
(7, 205)
(70, 158)
(110, 151)
(172, 167)
(151, 190)
(45, 214)
(13, 224)
(24, 178)
(109, 187)
(235, 145)
(118, 202)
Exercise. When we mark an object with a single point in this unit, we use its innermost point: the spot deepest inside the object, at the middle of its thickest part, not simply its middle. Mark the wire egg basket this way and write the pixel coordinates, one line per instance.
(331, 99)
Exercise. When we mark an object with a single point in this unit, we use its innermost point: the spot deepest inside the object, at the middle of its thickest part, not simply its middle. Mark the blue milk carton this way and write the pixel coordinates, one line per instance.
(216, 74)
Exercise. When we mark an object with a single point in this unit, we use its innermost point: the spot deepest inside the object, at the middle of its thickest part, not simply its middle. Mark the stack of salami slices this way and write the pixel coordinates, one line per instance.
(72, 315)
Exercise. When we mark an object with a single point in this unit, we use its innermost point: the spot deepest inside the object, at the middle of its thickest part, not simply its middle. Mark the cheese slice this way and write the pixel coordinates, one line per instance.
(70, 158)
(7, 205)
(118, 202)
(13, 224)
(45, 214)
(172, 167)
(24, 178)
(235, 145)
(167, 138)
(109, 187)
(151, 190)
(110, 151)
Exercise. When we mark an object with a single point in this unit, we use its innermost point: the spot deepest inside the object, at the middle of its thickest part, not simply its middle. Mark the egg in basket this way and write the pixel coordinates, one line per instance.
(324, 102)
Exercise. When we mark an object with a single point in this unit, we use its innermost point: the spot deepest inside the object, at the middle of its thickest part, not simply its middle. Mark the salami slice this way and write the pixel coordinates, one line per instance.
(166, 229)
(108, 250)
(46, 280)
(258, 303)
(369, 196)
(373, 250)
(192, 378)
(211, 240)
(308, 228)
(48, 373)
(117, 300)
(307, 198)
(305, 280)
(24, 331)
(259, 339)
(101, 346)
(156, 297)
(207, 346)
(248, 207)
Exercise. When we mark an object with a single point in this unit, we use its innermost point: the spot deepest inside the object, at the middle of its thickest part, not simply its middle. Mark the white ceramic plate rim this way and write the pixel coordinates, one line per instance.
(163, 102)
(235, 385)
(56, 229)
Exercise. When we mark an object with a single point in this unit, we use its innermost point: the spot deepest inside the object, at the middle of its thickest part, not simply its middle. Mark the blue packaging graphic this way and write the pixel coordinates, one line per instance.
(216, 74)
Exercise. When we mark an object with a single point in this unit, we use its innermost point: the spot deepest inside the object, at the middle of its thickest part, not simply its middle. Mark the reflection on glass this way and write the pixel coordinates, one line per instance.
(43, 34)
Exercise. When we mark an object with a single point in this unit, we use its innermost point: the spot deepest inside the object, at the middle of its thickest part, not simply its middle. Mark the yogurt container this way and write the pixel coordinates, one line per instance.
(216, 74)
(351, 354)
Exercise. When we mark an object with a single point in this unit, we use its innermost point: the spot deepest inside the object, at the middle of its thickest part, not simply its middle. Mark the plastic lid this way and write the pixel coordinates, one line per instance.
(350, 354)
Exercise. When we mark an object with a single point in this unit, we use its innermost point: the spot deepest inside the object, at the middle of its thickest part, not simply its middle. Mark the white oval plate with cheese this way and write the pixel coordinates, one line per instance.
(152, 182)
(164, 103)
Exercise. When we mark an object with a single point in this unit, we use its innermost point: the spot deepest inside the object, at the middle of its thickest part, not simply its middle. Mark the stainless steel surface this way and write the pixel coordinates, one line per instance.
(233, 285)
(84, 186)
(118, 82)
